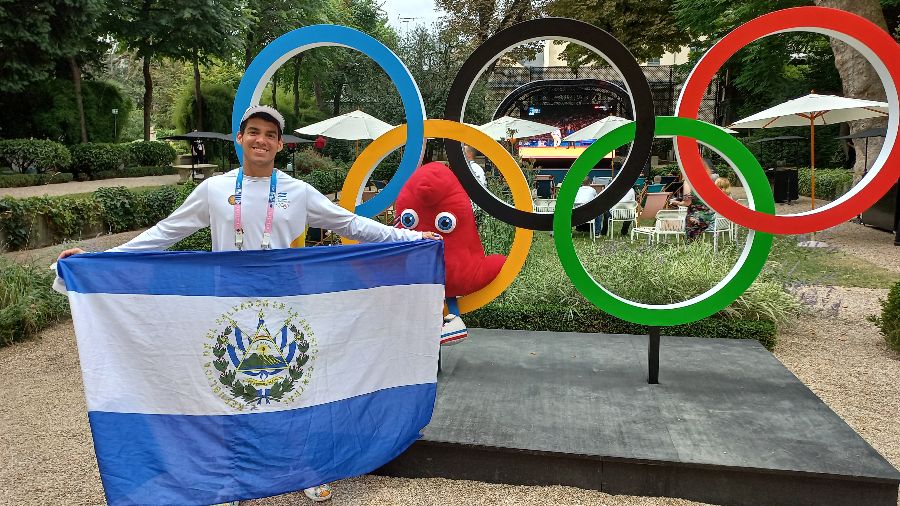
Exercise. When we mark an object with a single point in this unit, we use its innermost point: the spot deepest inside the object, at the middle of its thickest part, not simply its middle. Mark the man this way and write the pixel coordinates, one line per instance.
(257, 207)
(585, 194)
(476, 169)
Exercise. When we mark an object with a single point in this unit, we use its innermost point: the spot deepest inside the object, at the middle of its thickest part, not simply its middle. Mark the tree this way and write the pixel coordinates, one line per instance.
(474, 21)
(646, 27)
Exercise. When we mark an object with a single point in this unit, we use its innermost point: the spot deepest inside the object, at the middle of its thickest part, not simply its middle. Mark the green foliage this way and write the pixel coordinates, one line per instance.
(134, 172)
(889, 321)
(326, 180)
(14, 223)
(555, 318)
(218, 100)
(20, 180)
(35, 155)
(27, 304)
(830, 183)
(119, 208)
(92, 157)
(200, 240)
(151, 153)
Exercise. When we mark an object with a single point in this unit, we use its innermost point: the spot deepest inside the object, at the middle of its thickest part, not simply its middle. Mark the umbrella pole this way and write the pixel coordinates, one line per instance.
(812, 159)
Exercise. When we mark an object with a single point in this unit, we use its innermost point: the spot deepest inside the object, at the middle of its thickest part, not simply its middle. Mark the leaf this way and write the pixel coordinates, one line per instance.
(220, 364)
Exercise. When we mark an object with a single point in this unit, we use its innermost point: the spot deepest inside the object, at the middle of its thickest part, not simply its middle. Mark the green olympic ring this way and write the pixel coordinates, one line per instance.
(739, 278)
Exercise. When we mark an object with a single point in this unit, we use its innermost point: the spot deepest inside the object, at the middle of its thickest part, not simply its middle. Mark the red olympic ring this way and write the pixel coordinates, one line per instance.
(872, 42)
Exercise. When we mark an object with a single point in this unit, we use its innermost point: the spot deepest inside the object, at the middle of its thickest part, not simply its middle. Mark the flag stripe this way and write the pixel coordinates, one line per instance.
(176, 459)
(272, 273)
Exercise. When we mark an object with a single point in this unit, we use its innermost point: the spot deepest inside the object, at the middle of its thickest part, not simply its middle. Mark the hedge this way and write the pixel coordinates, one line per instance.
(151, 153)
(40, 155)
(830, 183)
(92, 157)
(20, 180)
(136, 172)
(561, 319)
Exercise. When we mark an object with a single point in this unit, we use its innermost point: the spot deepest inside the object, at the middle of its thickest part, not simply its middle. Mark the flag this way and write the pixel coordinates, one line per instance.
(213, 377)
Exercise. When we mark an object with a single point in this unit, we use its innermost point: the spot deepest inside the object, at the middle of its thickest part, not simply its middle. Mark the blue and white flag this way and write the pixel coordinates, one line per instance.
(213, 377)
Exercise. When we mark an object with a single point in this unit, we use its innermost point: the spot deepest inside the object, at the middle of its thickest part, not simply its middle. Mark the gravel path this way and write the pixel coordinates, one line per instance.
(86, 186)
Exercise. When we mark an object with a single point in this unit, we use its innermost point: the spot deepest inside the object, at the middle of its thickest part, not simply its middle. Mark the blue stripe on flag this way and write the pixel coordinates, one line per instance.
(180, 459)
(272, 273)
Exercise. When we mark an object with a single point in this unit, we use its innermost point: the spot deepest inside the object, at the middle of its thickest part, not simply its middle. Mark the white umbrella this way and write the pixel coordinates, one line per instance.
(509, 127)
(352, 126)
(597, 129)
(813, 110)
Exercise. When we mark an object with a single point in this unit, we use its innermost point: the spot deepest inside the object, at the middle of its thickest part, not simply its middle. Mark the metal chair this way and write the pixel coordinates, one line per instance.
(720, 225)
(623, 212)
(668, 223)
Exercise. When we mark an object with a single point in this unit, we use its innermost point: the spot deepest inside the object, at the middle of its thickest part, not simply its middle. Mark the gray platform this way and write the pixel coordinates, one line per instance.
(728, 424)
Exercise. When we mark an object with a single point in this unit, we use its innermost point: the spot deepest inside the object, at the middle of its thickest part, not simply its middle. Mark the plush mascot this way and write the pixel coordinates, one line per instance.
(434, 201)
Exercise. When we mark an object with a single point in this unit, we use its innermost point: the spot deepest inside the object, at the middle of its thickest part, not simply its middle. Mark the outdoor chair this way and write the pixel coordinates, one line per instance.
(655, 188)
(720, 226)
(668, 223)
(544, 205)
(654, 202)
(623, 212)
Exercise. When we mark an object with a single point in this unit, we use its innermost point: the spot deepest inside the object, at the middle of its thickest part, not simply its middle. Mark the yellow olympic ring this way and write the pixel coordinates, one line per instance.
(438, 128)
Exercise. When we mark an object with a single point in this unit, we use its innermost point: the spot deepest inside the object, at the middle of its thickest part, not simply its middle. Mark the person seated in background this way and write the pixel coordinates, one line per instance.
(586, 194)
(724, 184)
(699, 215)
(628, 197)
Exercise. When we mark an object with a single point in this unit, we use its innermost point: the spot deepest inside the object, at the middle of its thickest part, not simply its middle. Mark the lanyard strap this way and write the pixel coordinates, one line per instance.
(270, 212)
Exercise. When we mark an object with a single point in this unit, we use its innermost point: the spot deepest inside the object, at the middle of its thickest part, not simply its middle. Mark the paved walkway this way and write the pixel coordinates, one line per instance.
(86, 186)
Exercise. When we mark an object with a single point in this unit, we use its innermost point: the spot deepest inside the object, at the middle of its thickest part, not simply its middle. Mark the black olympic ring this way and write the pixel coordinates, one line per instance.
(618, 56)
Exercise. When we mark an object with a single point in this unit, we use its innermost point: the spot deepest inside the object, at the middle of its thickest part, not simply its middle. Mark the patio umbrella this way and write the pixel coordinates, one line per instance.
(597, 129)
(865, 134)
(352, 126)
(812, 110)
(507, 127)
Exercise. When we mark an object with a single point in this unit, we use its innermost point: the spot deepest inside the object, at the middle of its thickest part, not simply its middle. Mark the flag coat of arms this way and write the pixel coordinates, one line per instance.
(213, 377)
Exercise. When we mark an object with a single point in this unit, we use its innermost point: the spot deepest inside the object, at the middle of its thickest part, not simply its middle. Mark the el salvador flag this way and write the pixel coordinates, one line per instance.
(213, 377)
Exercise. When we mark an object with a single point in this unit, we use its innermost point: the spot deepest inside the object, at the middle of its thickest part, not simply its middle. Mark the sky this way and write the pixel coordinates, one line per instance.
(423, 11)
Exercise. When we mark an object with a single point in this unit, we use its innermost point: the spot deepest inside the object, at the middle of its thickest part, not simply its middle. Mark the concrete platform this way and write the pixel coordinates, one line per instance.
(728, 424)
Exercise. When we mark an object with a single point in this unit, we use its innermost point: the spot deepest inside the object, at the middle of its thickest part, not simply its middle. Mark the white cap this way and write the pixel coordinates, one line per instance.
(265, 109)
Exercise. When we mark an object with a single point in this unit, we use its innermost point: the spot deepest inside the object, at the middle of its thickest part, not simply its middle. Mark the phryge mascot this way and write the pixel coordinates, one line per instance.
(433, 200)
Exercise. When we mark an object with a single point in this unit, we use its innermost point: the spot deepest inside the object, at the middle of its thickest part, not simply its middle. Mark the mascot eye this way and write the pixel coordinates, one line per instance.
(409, 218)
(445, 222)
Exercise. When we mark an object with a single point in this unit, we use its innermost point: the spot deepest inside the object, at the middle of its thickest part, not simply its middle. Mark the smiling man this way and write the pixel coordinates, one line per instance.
(259, 207)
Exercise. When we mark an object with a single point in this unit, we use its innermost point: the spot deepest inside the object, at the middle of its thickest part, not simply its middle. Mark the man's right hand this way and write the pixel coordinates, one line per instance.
(70, 252)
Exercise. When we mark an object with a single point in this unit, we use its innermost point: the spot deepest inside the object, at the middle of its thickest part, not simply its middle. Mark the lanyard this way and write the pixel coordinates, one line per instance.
(270, 212)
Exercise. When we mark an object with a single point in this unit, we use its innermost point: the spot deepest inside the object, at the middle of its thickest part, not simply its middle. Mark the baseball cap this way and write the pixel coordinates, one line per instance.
(264, 109)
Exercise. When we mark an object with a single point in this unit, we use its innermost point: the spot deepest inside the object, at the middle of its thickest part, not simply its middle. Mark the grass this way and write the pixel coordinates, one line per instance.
(825, 266)
(27, 303)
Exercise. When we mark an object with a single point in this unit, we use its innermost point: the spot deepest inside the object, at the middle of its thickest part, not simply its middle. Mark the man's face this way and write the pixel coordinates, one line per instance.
(260, 141)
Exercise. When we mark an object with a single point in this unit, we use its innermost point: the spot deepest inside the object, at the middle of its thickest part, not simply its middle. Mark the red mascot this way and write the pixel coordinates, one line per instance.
(434, 201)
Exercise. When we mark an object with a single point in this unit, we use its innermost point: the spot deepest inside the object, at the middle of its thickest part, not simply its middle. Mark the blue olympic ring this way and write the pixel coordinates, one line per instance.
(296, 41)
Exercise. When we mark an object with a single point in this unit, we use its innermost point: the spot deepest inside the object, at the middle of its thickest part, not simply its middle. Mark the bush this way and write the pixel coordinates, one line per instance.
(119, 208)
(308, 161)
(830, 183)
(92, 157)
(151, 153)
(136, 172)
(27, 304)
(42, 156)
(200, 240)
(326, 180)
(889, 321)
(559, 319)
(20, 180)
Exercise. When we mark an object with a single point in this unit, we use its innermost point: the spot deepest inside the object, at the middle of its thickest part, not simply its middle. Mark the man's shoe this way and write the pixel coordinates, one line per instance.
(454, 330)
(321, 493)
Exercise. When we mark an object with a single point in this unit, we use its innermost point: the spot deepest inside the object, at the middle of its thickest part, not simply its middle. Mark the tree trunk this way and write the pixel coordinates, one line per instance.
(338, 90)
(79, 103)
(275, 90)
(198, 97)
(317, 89)
(297, 61)
(859, 79)
(148, 97)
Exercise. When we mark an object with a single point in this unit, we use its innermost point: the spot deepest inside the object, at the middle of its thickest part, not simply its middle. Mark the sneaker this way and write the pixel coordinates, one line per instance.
(454, 330)
(321, 493)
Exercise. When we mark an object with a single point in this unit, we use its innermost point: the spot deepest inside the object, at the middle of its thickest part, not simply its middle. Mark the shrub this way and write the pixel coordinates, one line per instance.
(559, 319)
(152, 206)
(92, 157)
(326, 180)
(830, 183)
(20, 180)
(151, 153)
(40, 155)
(119, 208)
(27, 304)
(136, 172)
(308, 161)
(889, 321)
(200, 240)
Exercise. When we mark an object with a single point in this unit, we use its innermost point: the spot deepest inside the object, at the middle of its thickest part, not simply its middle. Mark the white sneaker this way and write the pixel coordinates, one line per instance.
(321, 493)
(454, 330)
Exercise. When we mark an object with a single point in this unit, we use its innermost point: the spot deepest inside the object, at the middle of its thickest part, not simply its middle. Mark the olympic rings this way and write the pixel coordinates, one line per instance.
(879, 48)
(370, 157)
(296, 41)
(741, 276)
(592, 37)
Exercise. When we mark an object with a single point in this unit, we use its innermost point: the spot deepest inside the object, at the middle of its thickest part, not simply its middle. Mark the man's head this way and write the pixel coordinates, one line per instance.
(470, 152)
(260, 135)
(586, 182)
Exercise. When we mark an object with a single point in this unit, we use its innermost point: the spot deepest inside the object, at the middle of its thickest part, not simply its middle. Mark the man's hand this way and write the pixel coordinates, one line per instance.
(432, 236)
(70, 252)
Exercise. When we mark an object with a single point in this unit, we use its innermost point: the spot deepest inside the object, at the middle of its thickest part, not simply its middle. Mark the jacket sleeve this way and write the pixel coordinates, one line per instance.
(322, 213)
